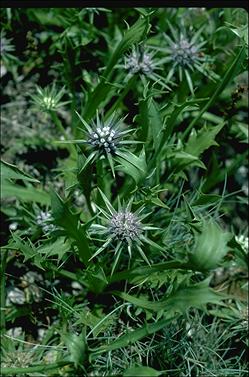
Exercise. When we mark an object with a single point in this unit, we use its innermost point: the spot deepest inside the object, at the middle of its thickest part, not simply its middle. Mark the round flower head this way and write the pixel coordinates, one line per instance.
(125, 225)
(49, 98)
(104, 139)
(185, 54)
(142, 61)
(123, 230)
(139, 61)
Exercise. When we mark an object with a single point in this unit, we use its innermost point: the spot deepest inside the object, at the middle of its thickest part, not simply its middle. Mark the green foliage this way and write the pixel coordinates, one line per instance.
(141, 371)
(124, 191)
(70, 223)
(210, 246)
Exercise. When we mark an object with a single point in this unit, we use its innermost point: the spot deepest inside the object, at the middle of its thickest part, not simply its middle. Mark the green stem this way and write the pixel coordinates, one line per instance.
(2, 286)
(65, 273)
(89, 205)
(229, 75)
(61, 129)
(100, 179)
(128, 86)
(37, 368)
(58, 124)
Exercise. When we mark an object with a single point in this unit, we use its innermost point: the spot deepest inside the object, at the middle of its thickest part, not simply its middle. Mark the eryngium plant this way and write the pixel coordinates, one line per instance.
(185, 54)
(142, 61)
(103, 138)
(122, 230)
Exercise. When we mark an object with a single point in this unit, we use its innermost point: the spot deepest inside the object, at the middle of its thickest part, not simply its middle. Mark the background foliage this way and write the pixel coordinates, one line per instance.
(124, 253)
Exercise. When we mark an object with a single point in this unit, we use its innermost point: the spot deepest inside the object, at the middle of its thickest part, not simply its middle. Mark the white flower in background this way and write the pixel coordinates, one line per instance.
(15, 296)
(243, 241)
(44, 220)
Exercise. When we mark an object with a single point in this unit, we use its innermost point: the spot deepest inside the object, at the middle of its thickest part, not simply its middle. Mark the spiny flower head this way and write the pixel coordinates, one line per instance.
(139, 60)
(44, 220)
(142, 61)
(122, 230)
(104, 138)
(125, 225)
(49, 98)
(186, 54)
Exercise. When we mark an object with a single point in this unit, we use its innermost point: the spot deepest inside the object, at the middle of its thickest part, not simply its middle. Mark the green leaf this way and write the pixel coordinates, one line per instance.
(9, 189)
(28, 250)
(26, 194)
(141, 371)
(9, 171)
(210, 246)
(180, 301)
(205, 199)
(96, 279)
(159, 202)
(233, 70)
(70, 223)
(76, 345)
(140, 273)
(202, 140)
(150, 121)
(133, 35)
(132, 336)
(181, 160)
(135, 166)
(57, 247)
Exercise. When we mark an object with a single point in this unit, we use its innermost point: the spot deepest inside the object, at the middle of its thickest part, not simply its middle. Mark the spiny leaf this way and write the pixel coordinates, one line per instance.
(233, 70)
(210, 246)
(199, 141)
(132, 336)
(132, 36)
(70, 223)
(196, 296)
(9, 171)
(135, 166)
(26, 194)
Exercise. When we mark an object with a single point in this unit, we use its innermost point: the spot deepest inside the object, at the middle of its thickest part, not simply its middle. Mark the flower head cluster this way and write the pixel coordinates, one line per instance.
(123, 230)
(104, 139)
(125, 225)
(185, 54)
(143, 61)
(139, 60)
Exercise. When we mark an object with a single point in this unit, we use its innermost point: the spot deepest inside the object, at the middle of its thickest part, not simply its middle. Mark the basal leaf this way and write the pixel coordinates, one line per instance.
(26, 194)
